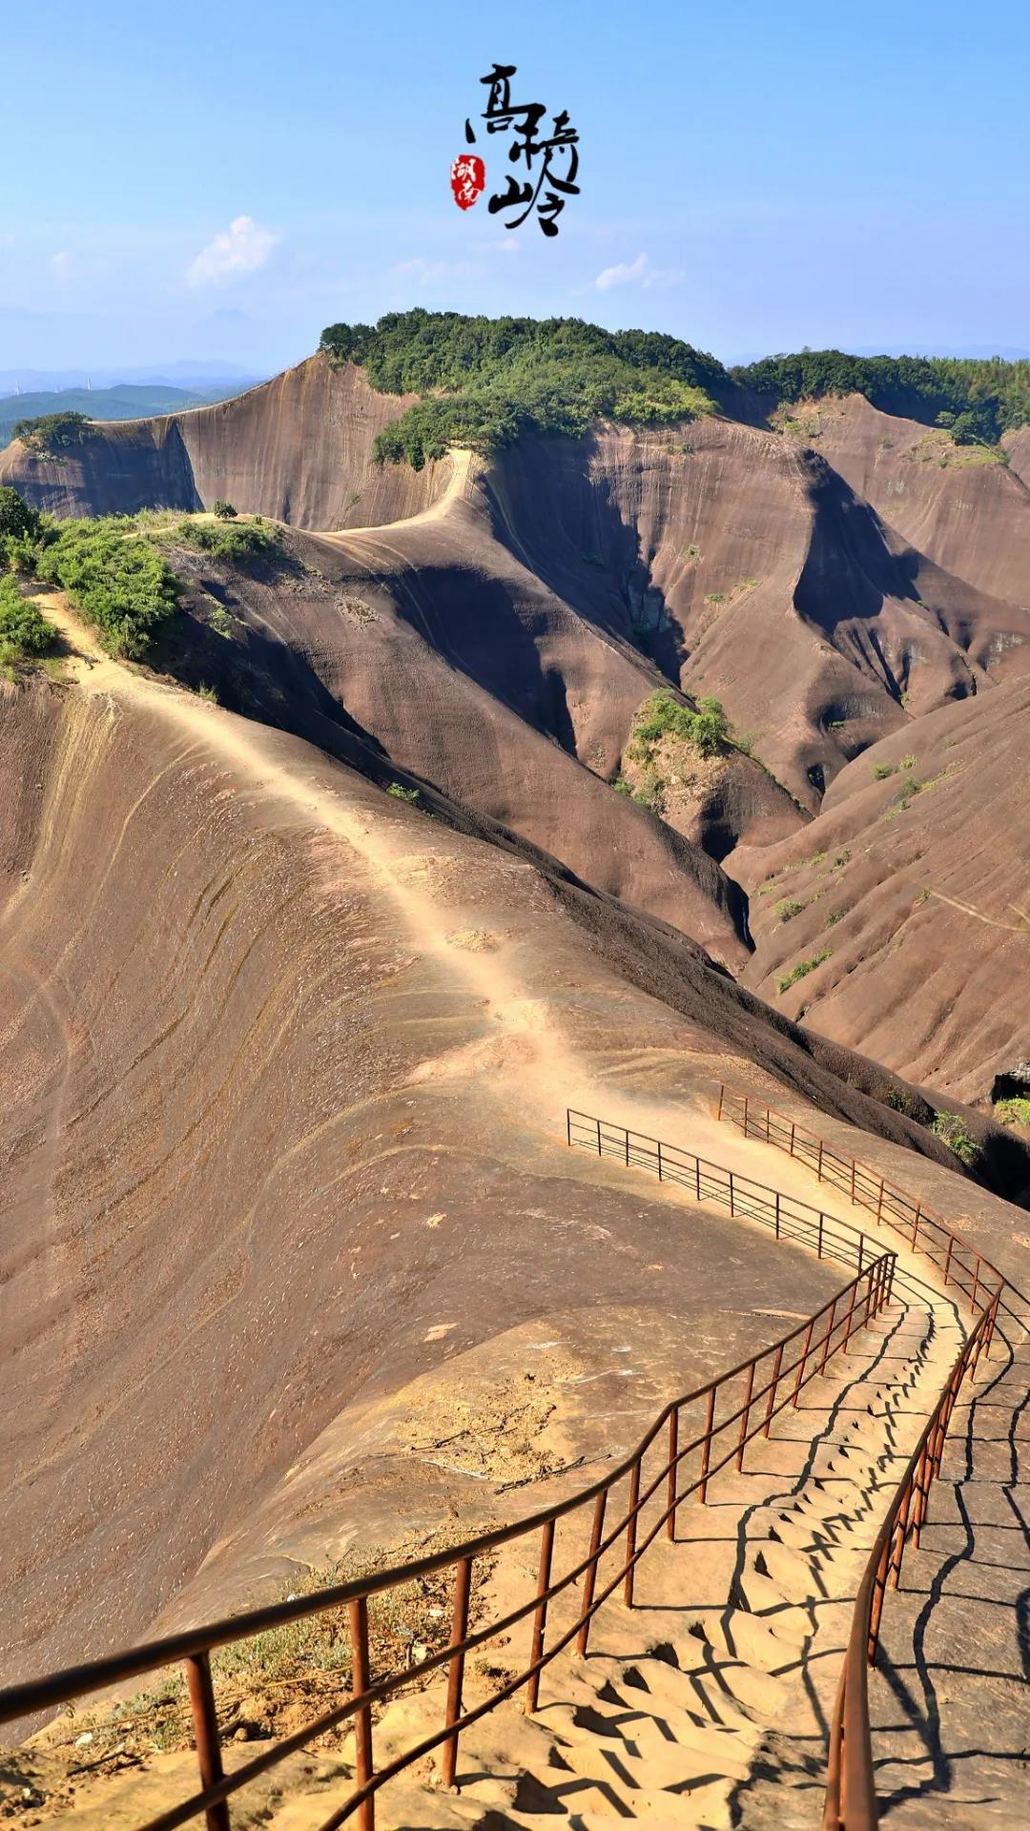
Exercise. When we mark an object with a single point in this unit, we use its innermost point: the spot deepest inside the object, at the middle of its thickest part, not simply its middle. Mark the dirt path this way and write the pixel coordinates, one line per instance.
(632, 1733)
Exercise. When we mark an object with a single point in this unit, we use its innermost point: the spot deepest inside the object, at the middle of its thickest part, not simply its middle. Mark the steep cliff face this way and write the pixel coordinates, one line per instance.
(911, 893)
(296, 448)
(724, 543)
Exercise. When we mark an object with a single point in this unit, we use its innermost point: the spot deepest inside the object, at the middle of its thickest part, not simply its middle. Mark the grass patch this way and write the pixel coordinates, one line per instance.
(237, 543)
(953, 1130)
(1014, 1111)
(789, 908)
(881, 771)
(801, 970)
(400, 793)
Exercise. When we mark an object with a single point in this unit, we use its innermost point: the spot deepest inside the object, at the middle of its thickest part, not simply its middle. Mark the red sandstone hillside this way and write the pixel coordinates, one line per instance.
(494, 629)
(306, 1084)
(295, 1260)
(706, 544)
(915, 882)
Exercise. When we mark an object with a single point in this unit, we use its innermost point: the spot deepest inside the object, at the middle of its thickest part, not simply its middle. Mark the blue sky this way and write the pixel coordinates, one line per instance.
(220, 180)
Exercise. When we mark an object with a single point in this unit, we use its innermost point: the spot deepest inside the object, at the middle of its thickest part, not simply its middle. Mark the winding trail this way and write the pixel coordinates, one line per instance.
(707, 1704)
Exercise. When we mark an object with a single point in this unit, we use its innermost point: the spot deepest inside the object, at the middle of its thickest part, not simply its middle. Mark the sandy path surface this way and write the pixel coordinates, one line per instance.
(541, 1062)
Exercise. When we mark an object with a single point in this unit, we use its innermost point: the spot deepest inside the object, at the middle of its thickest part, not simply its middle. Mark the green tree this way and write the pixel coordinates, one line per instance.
(24, 633)
(116, 578)
(224, 511)
(17, 519)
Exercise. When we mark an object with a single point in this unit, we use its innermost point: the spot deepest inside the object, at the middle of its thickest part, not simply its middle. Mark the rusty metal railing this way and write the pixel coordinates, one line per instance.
(850, 1803)
(922, 1230)
(731, 1411)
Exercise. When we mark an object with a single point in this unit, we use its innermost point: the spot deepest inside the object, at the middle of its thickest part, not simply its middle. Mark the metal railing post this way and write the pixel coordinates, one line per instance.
(706, 1448)
(206, 1736)
(947, 1258)
(777, 1364)
(851, 1312)
(598, 1137)
(568, 1126)
(722, 1090)
(590, 1576)
(631, 1534)
(672, 1481)
(742, 1441)
(829, 1333)
(456, 1668)
(540, 1612)
(803, 1362)
(359, 1682)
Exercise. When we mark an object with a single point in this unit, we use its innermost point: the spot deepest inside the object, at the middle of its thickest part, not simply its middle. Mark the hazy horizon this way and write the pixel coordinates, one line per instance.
(750, 181)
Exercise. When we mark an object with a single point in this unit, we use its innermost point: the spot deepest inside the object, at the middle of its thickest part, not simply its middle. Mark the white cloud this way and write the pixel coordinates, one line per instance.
(634, 273)
(62, 265)
(241, 248)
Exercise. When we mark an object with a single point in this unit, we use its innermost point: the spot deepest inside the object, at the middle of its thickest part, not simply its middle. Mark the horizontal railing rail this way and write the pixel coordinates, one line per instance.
(714, 1424)
(850, 1803)
(789, 1217)
(917, 1225)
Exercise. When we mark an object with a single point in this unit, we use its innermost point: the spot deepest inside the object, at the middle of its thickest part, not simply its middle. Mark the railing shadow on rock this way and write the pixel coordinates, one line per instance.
(850, 1803)
(715, 1423)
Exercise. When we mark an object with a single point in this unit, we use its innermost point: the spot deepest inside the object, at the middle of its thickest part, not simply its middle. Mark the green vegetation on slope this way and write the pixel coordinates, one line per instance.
(972, 399)
(486, 381)
(50, 434)
(24, 633)
(238, 543)
(115, 576)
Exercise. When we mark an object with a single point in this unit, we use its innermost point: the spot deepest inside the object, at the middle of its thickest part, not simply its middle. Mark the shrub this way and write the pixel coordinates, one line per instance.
(485, 382)
(238, 543)
(116, 578)
(789, 908)
(400, 793)
(801, 970)
(24, 632)
(224, 511)
(952, 1129)
(17, 520)
(51, 433)
(881, 771)
(661, 716)
(1014, 1111)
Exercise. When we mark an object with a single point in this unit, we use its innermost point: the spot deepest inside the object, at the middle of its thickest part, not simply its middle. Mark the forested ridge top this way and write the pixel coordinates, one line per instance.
(486, 381)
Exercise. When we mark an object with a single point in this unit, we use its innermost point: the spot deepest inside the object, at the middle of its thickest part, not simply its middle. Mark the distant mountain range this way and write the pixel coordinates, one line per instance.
(124, 401)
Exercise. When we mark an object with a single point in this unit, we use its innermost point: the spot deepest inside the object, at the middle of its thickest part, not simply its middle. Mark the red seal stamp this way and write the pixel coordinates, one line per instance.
(468, 177)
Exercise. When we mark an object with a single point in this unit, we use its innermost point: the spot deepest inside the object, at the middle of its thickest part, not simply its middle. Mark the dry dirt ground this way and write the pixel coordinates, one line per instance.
(294, 1131)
